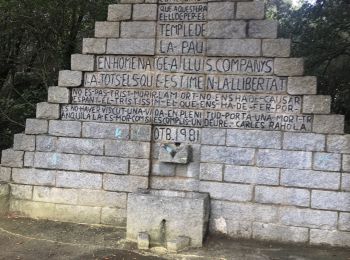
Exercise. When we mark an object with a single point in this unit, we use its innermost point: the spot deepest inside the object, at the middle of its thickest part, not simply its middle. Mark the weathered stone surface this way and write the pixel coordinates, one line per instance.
(55, 195)
(140, 167)
(65, 128)
(284, 159)
(235, 229)
(182, 214)
(327, 161)
(304, 141)
(145, 12)
(180, 184)
(78, 180)
(56, 161)
(221, 10)
(178, 244)
(5, 174)
(119, 12)
(33, 209)
(143, 241)
(221, 226)
(127, 149)
(94, 46)
(227, 191)
(46, 110)
(78, 214)
(230, 155)
(83, 62)
(104, 164)
(107, 29)
(190, 170)
(124, 183)
(163, 169)
(251, 175)
(46, 143)
(28, 159)
(284, 196)
(24, 142)
(280, 233)
(310, 179)
(196, 153)
(344, 221)
(105, 130)
(184, 170)
(309, 218)
(239, 229)
(12, 158)
(58, 95)
(317, 104)
(233, 47)
(155, 150)
(345, 185)
(346, 163)
(131, 1)
(289, 67)
(172, 153)
(4, 198)
(338, 143)
(251, 212)
(131, 46)
(113, 216)
(80, 146)
(213, 136)
(306, 85)
(250, 10)
(70, 78)
(328, 124)
(36, 126)
(211, 171)
(276, 47)
(34, 177)
(4, 189)
(263, 29)
(330, 200)
(254, 138)
(141, 133)
(226, 29)
(327, 237)
(101, 198)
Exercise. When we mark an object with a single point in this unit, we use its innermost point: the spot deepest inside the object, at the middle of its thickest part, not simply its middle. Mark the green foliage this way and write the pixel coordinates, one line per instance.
(321, 34)
(37, 38)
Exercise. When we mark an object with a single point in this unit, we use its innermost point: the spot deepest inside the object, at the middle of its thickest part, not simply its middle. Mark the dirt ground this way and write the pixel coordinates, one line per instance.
(41, 239)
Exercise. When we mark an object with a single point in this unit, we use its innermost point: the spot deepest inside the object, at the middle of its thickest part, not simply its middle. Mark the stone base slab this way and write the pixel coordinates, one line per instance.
(167, 215)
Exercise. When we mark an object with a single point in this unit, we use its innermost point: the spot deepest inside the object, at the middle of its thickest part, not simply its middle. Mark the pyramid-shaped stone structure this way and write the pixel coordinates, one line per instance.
(194, 96)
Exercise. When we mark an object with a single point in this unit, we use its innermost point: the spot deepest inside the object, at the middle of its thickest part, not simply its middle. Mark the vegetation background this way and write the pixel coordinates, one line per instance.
(37, 38)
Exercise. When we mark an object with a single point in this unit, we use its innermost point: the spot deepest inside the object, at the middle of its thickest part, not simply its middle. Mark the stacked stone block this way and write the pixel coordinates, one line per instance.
(288, 181)
(297, 177)
(73, 171)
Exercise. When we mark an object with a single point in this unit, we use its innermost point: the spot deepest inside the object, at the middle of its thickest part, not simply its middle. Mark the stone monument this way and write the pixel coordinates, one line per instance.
(186, 98)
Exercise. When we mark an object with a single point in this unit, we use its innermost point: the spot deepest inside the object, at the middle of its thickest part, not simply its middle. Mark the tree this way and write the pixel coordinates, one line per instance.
(321, 34)
(37, 38)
